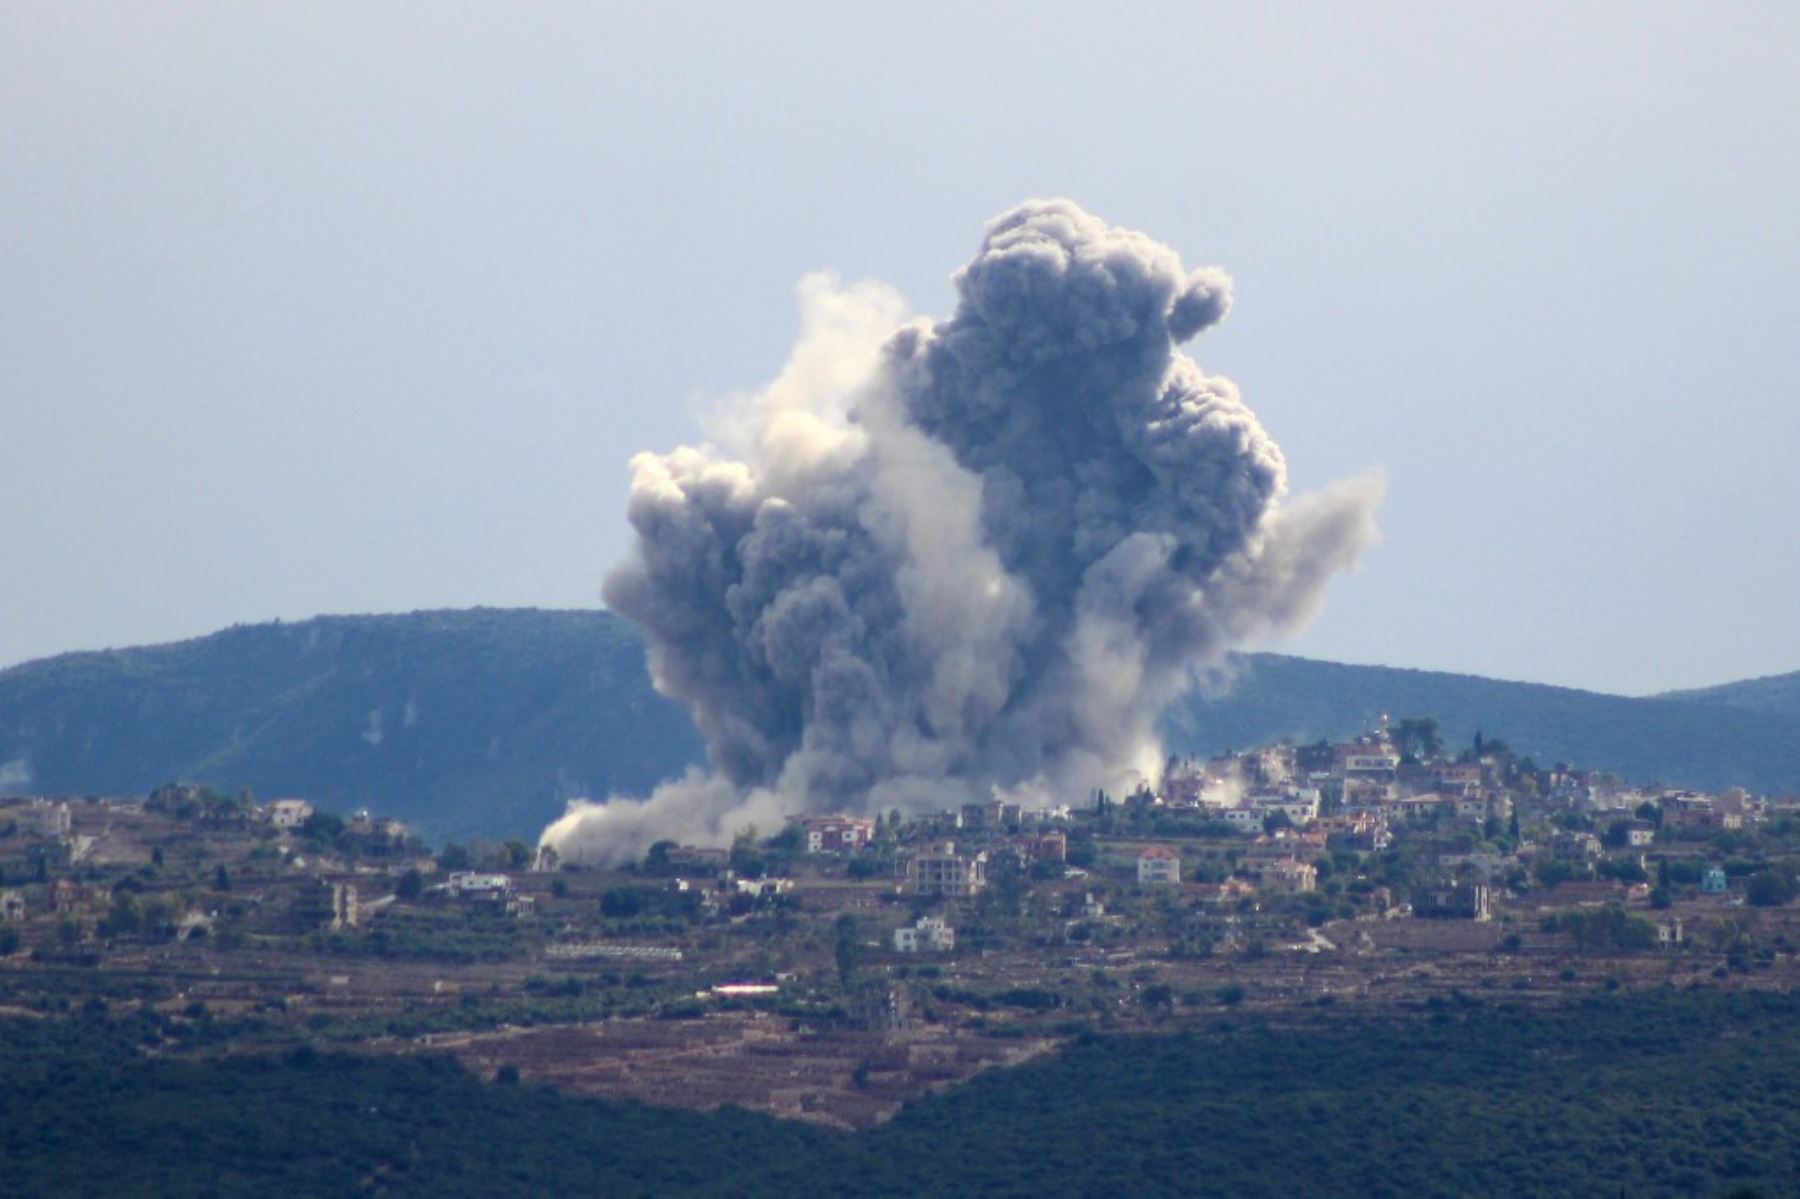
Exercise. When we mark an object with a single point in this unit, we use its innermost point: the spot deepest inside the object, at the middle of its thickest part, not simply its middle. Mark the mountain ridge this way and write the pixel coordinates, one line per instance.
(483, 721)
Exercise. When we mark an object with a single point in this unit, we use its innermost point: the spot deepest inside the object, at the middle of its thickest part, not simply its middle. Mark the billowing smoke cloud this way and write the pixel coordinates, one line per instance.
(934, 560)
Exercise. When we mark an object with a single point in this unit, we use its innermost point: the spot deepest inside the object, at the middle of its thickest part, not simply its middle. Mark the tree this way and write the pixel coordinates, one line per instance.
(410, 886)
(847, 948)
(1416, 737)
(124, 917)
(1769, 889)
(323, 826)
(9, 940)
(745, 859)
(221, 878)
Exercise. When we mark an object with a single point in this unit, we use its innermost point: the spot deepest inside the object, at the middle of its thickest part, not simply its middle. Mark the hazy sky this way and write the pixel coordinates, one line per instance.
(342, 308)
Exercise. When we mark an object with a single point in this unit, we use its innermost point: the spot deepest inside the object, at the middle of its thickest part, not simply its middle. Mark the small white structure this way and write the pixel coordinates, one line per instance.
(1243, 819)
(479, 886)
(928, 935)
(289, 813)
(837, 834)
(12, 905)
(1159, 864)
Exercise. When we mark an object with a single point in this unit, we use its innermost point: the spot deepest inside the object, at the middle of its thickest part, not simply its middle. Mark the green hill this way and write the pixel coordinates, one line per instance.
(460, 723)
(483, 722)
(1680, 741)
(1777, 694)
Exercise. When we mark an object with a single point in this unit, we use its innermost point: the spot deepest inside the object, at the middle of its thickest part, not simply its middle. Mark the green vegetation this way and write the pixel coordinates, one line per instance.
(1654, 1094)
(1607, 929)
(456, 934)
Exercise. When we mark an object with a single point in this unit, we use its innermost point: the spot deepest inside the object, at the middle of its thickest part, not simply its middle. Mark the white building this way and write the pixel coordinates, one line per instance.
(289, 813)
(940, 870)
(1243, 819)
(1159, 864)
(761, 888)
(1287, 876)
(1300, 806)
(837, 834)
(929, 935)
(481, 886)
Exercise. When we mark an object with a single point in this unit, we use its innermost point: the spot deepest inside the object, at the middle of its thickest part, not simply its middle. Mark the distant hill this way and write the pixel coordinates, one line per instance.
(483, 722)
(459, 723)
(1776, 694)
(1683, 742)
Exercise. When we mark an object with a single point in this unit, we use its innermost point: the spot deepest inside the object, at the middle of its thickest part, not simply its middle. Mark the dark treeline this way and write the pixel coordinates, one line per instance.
(1661, 1094)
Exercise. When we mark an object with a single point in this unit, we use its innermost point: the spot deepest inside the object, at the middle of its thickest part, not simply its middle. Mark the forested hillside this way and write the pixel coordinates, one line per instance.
(458, 722)
(1658, 1094)
(1776, 694)
(483, 722)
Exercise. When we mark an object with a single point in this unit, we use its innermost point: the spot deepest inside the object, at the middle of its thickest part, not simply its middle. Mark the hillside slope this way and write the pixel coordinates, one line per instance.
(1681, 742)
(1776, 694)
(458, 722)
(483, 722)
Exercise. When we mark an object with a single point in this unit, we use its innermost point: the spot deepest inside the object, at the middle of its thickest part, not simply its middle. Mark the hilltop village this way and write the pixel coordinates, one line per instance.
(834, 967)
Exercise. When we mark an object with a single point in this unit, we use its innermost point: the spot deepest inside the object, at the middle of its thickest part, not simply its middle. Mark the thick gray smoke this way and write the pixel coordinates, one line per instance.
(935, 560)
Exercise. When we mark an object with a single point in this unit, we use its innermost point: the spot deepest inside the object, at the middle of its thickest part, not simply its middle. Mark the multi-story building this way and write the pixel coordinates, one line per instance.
(941, 870)
(1159, 864)
(1289, 876)
(1455, 901)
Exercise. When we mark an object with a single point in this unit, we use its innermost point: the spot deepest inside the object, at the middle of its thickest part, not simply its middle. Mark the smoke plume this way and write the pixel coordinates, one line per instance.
(930, 561)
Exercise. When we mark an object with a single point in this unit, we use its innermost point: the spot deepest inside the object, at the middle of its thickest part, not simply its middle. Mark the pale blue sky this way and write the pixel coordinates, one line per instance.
(337, 308)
